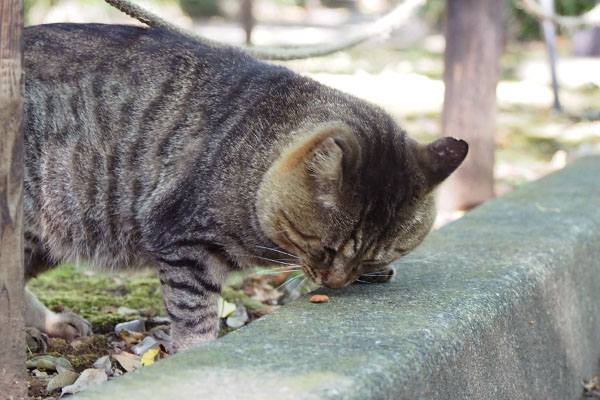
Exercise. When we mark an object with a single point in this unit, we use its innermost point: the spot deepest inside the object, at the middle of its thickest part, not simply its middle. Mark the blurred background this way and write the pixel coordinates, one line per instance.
(532, 131)
(476, 69)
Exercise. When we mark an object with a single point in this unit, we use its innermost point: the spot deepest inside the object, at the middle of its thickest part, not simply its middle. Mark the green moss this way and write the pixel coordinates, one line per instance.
(88, 293)
(235, 296)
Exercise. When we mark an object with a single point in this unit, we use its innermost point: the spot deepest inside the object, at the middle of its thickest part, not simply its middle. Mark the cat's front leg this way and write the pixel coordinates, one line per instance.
(191, 291)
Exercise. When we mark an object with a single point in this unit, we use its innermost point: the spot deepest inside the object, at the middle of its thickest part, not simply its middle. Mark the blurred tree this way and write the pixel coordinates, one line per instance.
(12, 356)
(549, 30)
(247, 18)
(527, 27)
(586, 42)
(472, 68)
(200, 8)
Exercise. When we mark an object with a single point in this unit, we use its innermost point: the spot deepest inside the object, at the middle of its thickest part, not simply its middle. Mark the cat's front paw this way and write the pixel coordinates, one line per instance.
(68, 326)
(36, 340)
(382, 276)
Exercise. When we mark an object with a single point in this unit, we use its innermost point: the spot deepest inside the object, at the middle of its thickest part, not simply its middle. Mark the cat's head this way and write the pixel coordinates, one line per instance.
(349, 203)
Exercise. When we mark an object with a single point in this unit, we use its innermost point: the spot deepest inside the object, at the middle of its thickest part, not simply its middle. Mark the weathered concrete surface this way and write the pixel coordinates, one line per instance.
(502, 304)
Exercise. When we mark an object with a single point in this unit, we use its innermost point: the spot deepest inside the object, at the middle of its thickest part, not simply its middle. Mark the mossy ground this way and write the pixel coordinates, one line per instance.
(91, 294)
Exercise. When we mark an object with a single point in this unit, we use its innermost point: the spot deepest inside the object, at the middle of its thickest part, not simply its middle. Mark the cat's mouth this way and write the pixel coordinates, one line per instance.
(329, 280)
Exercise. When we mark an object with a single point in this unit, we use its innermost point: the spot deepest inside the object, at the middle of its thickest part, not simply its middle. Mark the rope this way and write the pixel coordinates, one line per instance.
(384, 25)
(590, 18)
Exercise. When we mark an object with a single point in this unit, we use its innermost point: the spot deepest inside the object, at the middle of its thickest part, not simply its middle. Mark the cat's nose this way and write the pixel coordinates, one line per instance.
(335, 280)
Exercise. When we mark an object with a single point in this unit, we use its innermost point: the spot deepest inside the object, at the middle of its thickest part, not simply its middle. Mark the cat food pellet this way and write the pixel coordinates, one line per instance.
(319, 298)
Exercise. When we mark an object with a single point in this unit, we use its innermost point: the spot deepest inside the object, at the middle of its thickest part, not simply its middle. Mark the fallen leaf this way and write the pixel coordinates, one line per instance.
(164, 353)
(61, 380)
(128, 361)
(131, 338)
(49, 363)
(280, 278)
(88, 378)
(265, 310)
(149, 357)
(319, 298)
(592, 384)
(225, 308)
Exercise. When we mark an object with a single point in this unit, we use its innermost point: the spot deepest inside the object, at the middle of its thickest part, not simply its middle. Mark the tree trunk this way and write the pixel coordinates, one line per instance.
(12, 348)
(247, 16)
(549, 31)
(472, 68)
(586, 42)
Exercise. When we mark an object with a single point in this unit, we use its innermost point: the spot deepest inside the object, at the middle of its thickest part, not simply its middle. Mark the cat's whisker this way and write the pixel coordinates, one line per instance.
(269, 272)
(375, 274)
(275, 261)
(360, 280)
(288, 282)
(299, 284)
(279, 251)
(425, 258)
(297, 266)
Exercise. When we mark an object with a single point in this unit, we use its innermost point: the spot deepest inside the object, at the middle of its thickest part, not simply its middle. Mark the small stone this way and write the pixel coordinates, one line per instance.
(161, 333)
(127, 311)
(319, 298)
(132, 326)
(148, 343)
(104, 363)
(238, 318)
(40, 374)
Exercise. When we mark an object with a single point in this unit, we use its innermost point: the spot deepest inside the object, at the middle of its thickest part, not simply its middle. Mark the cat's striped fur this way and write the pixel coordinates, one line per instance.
(143, 147)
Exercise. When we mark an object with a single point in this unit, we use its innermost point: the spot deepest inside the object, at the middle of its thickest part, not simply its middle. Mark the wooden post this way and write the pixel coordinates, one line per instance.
(12, 347)
(472, 69)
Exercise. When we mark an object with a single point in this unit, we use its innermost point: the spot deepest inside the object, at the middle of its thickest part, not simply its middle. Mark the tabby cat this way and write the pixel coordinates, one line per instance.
(144, 147)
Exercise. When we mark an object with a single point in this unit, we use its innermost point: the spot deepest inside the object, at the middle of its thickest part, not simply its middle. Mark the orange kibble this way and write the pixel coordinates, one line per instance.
(319, 298)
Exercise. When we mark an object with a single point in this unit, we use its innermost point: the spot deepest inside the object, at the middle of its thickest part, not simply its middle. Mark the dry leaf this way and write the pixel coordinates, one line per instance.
(149, 357)
(225, 308)
(265, 310)
(128, 361)
(61, 380)
(88, 378)
(590, 385)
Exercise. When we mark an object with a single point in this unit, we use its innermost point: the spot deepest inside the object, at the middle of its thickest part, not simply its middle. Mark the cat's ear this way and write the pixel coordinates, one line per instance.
(331, 164)
(334, 158)
(440, 158)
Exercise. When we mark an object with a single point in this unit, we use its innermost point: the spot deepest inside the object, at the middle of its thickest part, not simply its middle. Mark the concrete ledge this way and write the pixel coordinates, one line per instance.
(501, 304)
